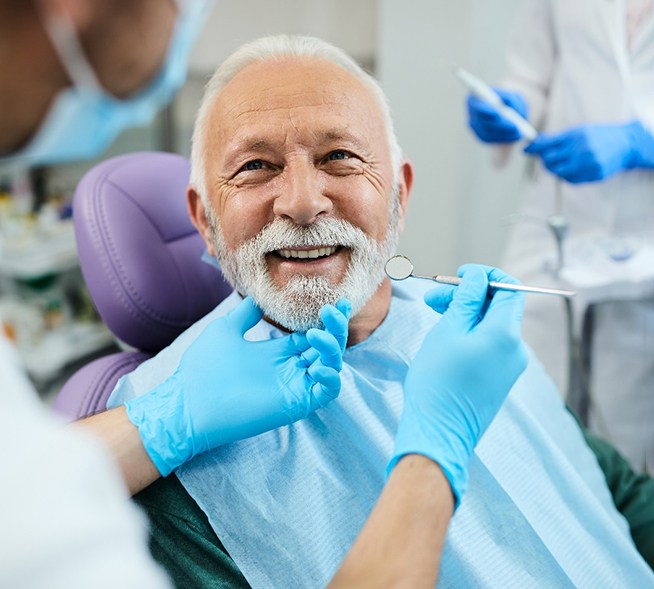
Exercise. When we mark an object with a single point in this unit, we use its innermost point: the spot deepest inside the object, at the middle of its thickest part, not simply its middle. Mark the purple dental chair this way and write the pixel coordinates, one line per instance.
(141, 259)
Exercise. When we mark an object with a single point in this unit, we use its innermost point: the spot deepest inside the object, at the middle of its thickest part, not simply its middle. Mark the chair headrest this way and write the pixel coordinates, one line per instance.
(139, 252)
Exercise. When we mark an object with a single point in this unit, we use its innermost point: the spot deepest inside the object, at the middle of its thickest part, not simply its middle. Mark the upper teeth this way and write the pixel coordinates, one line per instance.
(317, 253)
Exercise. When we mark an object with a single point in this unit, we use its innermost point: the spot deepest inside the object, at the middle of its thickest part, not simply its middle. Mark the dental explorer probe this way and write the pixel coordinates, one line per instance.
(400, 268)
(487, 94)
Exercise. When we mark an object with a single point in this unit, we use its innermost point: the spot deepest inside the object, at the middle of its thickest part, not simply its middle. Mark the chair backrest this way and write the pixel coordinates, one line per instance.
(87, 391)
(141, 259)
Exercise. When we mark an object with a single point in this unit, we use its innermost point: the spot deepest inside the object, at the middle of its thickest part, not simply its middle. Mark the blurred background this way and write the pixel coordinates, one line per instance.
(460, 206)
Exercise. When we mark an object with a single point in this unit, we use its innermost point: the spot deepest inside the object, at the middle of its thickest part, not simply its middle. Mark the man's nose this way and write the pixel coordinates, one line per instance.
(302, 196)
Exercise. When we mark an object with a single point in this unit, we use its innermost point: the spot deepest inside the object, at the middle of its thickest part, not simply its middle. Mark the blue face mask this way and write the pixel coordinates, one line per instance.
(84, 119)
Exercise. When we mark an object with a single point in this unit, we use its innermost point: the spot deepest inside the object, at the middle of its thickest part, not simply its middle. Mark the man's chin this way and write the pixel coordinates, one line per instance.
(294, 321)
(294, 326)
(296, 307)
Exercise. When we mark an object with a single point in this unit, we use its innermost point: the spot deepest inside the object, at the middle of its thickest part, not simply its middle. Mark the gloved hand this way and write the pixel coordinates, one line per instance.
(227, 388)
(462, 373)
(594, 152)
(488, 124)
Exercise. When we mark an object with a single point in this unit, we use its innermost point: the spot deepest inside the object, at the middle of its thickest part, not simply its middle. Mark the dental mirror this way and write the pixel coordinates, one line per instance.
(400, 268)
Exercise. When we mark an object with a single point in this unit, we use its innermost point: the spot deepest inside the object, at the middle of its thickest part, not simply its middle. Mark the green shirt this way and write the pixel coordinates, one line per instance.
(183, 541)
(633, 494)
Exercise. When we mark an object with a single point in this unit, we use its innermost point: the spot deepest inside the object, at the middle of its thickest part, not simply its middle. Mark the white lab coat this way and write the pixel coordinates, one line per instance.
(571, 61)
(66, 521)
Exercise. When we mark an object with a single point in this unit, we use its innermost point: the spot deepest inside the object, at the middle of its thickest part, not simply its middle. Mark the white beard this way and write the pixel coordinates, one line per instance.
(296, 305)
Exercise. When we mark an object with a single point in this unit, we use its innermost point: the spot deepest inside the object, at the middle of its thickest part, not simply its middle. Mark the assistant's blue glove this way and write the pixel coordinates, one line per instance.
(462, 373)
(227, 388)
(594, 152)
(488, 124)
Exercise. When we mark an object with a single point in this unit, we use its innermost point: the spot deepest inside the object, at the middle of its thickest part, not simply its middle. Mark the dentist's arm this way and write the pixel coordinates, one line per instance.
(225, 389)
(121, 437)
(402, 541)
(453, 390)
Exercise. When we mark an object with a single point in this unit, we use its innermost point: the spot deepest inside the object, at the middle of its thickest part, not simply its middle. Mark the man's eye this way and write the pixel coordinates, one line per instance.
(253, 165)
(338, 155)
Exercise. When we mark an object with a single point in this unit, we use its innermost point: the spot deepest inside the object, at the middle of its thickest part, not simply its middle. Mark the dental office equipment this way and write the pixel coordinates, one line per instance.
(559, 226)
(400, 268)
(487, 94)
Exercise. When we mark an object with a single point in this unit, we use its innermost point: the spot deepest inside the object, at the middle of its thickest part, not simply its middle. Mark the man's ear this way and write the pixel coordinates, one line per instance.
(405, 181)
(198, 215)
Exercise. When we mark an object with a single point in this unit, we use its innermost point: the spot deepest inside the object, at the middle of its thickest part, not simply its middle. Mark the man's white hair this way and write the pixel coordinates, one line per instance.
(279, 47)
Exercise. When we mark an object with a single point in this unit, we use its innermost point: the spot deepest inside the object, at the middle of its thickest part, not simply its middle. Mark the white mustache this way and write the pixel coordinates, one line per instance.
(326, 231)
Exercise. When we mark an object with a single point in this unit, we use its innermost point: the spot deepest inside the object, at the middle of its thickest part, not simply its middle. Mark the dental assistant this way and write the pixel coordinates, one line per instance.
(583, 74)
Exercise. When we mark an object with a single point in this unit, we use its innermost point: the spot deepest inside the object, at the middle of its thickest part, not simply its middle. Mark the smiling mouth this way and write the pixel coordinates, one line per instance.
(307, 254)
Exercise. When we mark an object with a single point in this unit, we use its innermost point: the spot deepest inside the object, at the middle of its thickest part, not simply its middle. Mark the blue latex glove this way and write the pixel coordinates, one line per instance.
(462, 373)
(488, 124)
(595, 152)
(227, 388)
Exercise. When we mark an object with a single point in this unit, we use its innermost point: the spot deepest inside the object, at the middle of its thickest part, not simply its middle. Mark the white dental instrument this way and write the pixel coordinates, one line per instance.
(487, 94)
(400, 268)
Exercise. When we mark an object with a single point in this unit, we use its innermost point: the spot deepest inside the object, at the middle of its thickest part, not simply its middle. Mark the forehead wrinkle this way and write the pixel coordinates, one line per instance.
(267, 100)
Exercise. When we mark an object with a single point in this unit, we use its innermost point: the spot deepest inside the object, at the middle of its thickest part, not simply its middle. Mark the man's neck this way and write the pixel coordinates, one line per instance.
(371, 316)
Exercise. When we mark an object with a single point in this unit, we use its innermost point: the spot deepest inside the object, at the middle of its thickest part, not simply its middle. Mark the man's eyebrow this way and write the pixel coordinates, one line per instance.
(247, 145)
(256, 145)
(252, 144)
(335, 136)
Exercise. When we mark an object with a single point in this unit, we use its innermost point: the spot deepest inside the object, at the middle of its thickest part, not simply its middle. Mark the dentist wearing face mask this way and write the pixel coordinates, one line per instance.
(80, 73)
(75, 74)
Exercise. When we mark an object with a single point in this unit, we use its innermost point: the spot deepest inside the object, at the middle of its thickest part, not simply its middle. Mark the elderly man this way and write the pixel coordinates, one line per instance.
(300, 190)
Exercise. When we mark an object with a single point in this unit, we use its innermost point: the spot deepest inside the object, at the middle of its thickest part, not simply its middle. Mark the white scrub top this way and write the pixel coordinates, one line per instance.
(66, 520)
(582, 62)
